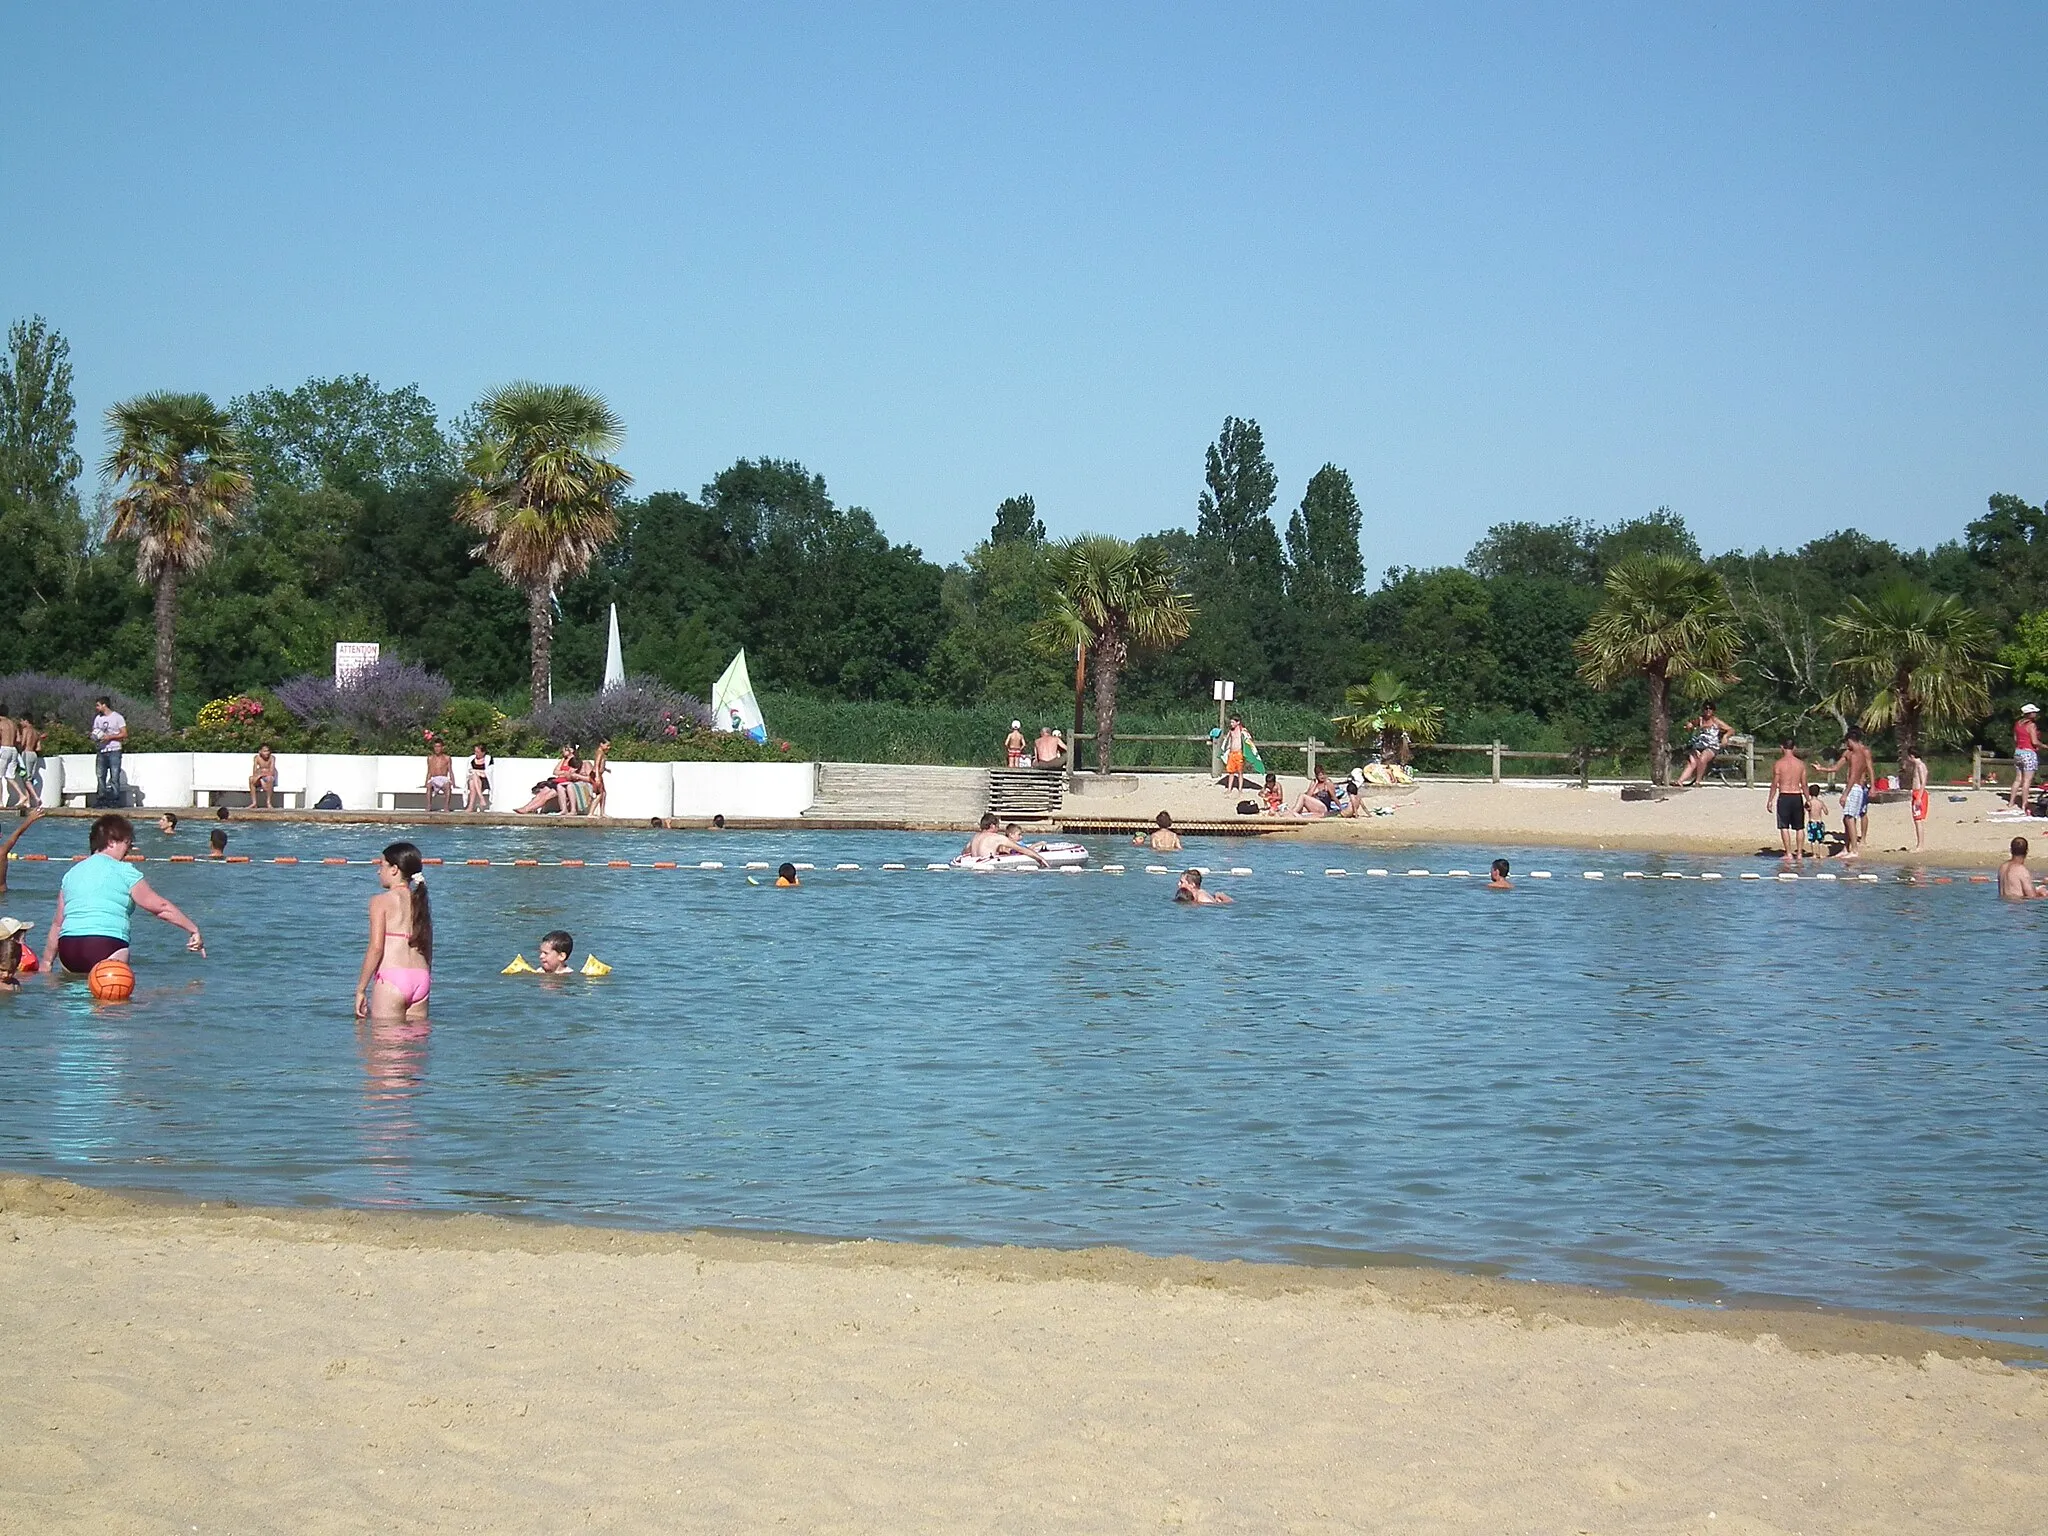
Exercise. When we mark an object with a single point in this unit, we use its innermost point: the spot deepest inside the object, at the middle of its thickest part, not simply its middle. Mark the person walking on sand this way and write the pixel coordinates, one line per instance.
(1013, 745)
(1237, 751)
(97, 899)
(2015, 881)
(397, 973)
(2026, 753)
(109, 731)
(1916, 792)
(263, 778)
(1787, 797)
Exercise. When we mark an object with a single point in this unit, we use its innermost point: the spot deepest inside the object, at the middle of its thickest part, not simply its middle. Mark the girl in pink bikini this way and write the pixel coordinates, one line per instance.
(397, 968)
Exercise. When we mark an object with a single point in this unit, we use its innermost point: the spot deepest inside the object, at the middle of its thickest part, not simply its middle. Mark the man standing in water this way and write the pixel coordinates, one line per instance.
(1788, 798)
(2015, 880)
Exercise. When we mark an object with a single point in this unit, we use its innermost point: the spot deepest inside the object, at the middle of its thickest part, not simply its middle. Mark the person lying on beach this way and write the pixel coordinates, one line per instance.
(993, 842)
(555, 950)
(785, 878)
(1190, 891)
(1500, 881)
(2015, 881)
(1162, 839)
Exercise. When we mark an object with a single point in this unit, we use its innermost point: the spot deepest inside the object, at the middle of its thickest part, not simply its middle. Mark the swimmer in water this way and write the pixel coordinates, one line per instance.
(396, 977)
(217, 841)
(2015, 881)
(1500, 881)
(167, 824)
(992, 842)
(785, 878)
(555, 950)
(1190, 891)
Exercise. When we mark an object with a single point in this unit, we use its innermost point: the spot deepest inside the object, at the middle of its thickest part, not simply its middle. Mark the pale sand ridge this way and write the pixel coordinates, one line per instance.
(174, 1369)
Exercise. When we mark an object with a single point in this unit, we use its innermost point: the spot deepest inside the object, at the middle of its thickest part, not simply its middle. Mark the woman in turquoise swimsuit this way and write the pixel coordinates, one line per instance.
(398, 966)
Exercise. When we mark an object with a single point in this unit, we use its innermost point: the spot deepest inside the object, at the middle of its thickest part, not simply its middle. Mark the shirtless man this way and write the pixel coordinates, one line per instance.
(1190, 891)
(10, 756)
(2015, 880)
(1855, 765)
(28, 740)
(1787, 797)
(263, 778)
(440, 776)
(992, 842)
(1013, 745)
(1047, 750)
(1164, 838)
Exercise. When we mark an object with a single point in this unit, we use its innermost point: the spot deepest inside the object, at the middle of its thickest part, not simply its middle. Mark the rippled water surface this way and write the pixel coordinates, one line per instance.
(1694, 1089)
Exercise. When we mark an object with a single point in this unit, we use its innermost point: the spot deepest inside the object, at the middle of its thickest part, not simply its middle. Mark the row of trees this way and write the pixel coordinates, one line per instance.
(489, 547)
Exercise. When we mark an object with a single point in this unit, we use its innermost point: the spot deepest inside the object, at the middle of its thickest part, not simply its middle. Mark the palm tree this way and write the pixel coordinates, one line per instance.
(1924, 661)
(542, 494)
(182, 474)
(1666, 620)
(1385, 710)
(1109, 599)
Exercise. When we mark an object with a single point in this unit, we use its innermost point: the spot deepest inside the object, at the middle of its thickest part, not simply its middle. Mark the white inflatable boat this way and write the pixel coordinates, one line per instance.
(1056, 856)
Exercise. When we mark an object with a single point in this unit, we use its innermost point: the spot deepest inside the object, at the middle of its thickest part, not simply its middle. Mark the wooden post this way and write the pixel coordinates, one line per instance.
(1749, 764)
(1585, 767)
(1496, 762)
(1976, 767)
(1309, 750)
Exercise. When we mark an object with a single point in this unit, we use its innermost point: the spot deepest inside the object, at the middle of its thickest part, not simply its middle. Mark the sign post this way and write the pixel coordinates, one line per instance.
(352, 658)
(1225, 693)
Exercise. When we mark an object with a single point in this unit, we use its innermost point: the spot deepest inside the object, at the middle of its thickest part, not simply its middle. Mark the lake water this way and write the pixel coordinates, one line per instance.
(1683, 1088)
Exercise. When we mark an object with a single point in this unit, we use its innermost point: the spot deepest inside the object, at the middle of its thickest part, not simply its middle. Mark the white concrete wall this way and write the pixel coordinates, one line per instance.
(634, 791)
(756, 791)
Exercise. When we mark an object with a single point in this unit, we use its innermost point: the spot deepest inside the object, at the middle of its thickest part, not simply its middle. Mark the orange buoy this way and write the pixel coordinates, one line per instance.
(236, 858)
(618, 864)
(287, 859)
(525, 863)
(334, 861)
(437, 861)
(181, 858)
(664, 864)
(111, 981)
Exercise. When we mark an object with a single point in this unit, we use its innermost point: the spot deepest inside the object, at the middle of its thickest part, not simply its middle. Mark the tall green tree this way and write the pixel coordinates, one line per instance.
(181, 475)
(1919, 662)
(1234, 531)
(1017, 522)
(1323, 557)
(341, 434)
(1110, 599)
(542, 494)
(39, 464)
(1667, 620)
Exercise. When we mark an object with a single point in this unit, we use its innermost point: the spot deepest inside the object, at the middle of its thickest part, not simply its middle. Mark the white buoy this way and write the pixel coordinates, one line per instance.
(1380, 874)
(1112, 869)
(1595, 874)
(1539, 874)
(1457, 874)
(1335, 874)
(846, 866)
(714, 864)
(1631, 874)
(760, 864)
(938, 866)
(1710, 877)
(1421, 874)
(1752, 875)
(1157, 869)
(1239, 869)
(892, 866)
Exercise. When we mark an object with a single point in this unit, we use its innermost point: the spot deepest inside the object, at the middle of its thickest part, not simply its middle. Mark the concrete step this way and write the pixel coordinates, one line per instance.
(903, 792)
(1025, 793)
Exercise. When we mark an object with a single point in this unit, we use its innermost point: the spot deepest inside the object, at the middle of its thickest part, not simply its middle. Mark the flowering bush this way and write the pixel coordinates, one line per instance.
(390, 702)
(640, 709)
(229, 724)
(68, 701)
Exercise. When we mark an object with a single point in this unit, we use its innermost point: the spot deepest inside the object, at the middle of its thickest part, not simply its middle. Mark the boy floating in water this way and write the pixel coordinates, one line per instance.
(1190, 891)
(555, 950)
(785, 878)
(1500, 881)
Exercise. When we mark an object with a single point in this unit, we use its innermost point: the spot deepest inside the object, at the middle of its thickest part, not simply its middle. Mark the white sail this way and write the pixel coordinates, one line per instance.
(614, 657)
(733, 705)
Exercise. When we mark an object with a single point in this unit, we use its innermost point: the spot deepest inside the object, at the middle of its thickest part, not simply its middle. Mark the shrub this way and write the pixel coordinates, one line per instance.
(231, 724)
(68, 701)
(390, 703)
(640, 709)
(466, 722)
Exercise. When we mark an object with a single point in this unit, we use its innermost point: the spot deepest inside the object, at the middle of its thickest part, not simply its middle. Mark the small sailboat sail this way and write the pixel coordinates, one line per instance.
(733, 705)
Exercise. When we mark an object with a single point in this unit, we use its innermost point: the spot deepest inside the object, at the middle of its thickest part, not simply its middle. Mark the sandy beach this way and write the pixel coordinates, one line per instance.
(1713, 819)
(172, 1369)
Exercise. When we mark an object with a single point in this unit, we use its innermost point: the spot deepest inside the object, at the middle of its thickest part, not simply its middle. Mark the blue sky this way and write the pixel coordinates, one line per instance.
(1780, 268)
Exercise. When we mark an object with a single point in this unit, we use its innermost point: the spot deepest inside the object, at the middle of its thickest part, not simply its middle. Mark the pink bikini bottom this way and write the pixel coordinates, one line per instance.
(410, 983)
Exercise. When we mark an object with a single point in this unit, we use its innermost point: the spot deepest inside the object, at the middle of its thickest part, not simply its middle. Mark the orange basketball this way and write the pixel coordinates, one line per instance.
(111, 981)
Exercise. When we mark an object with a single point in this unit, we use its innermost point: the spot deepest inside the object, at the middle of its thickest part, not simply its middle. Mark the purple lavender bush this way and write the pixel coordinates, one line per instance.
(68, 701)
(390, 703)
(640, 709)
